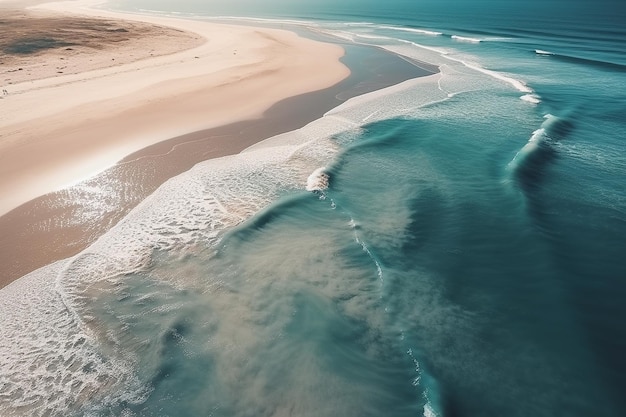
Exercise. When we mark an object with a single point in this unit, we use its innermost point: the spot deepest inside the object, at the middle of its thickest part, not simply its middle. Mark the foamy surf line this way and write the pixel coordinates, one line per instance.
(434, 54)
(194, 208)
(192, 211)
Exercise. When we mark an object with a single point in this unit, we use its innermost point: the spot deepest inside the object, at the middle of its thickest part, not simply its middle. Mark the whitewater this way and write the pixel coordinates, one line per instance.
(412, 252)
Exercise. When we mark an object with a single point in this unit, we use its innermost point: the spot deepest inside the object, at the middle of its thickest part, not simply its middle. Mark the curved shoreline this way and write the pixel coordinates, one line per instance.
(60, 224)
(71, 126)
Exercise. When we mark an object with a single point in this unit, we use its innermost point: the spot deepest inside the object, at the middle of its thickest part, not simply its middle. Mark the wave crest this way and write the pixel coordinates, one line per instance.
(318, 180)
(465, 39)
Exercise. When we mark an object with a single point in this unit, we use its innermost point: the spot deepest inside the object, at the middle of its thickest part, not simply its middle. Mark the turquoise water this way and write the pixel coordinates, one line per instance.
(446, 247)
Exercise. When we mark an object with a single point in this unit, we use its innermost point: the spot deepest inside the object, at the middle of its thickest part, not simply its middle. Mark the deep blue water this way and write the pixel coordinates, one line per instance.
(466, 258)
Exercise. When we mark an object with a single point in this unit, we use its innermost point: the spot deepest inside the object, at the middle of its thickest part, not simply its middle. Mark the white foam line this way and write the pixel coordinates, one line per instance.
(531, 98)
(349, 36)
(419, 31)
(519, 85)
(358, 24)
(497, 39)
(465, 39)
(379, 269)
(442, 52)
(449, 94)
(265, 20)
(366, 36)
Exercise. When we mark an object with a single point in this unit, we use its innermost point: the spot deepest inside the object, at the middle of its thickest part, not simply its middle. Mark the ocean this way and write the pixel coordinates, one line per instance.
(453, 245)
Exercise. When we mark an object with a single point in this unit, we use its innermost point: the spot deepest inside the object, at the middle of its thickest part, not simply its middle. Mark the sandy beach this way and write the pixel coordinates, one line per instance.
(135, 81)
(314, 209)
(59, 129)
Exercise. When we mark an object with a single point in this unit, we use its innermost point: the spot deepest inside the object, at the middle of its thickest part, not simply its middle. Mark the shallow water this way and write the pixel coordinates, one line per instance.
(458, 252)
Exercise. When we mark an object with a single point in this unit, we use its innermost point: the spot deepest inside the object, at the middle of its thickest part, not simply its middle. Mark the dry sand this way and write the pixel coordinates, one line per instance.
(57, 129)
(37, 44)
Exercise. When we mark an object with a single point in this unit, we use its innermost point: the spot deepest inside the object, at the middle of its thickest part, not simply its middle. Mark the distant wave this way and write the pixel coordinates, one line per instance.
(529, 164)
(296, 22)
(165, 13)
(441, 51)
(557, 128)
(357, 23)
(529, 94)
(581, 61)
(519, 85)
(368, 36)
(498, 39)
(470, 39)
(465, 39)
(412, 30)
(531, 98)
(429, 32)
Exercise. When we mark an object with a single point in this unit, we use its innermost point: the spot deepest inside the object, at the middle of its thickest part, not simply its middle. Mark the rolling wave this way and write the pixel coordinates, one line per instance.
(412, 30)
(318, 180)
(529, 94)
(465, 39)
(221, 195)
(542, 52)
(606, 65)
(529, 164)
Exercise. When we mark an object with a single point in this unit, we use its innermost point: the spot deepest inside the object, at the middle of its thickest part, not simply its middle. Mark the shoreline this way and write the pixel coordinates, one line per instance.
(236, 74)
(63, 223)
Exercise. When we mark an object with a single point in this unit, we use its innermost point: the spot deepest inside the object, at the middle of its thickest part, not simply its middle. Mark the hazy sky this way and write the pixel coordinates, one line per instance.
(612, 9)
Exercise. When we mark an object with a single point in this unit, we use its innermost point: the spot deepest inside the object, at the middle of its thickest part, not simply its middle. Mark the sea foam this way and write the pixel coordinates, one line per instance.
(412, 30)
(318, 180)
(53, 305)
(51, 362)
(465, 39)
(66, 340)
(441, 56)
(531, 98)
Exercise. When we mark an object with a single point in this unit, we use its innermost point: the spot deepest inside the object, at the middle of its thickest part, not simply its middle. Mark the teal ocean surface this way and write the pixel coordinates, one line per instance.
(452, 246)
